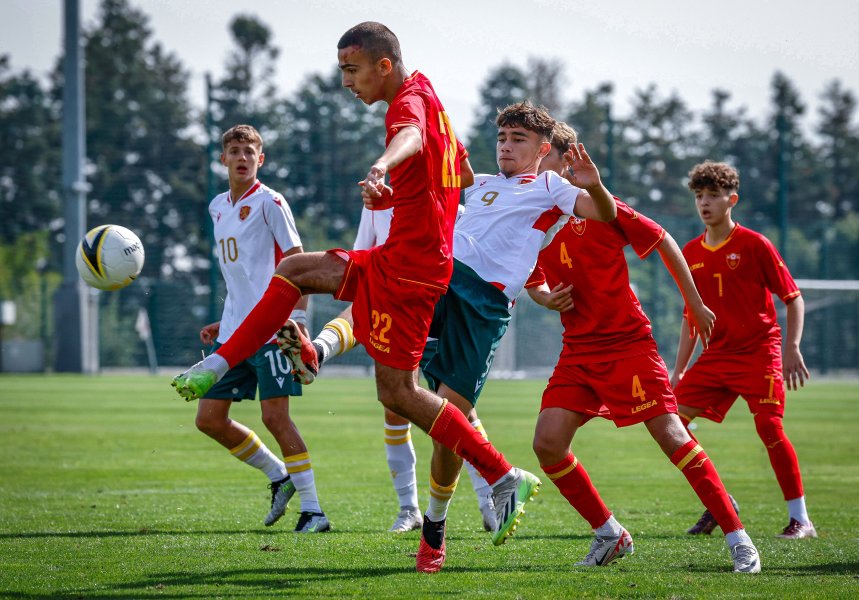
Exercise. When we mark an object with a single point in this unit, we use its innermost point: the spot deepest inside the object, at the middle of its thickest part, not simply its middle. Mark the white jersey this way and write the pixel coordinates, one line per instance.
(507, 221)
(251, 236)
(375, 225)
(373, 229)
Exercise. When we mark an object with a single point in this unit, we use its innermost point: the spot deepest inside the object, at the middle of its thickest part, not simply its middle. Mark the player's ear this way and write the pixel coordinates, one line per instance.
(261, 159)
(223, 159)
(385, 66)
(733, 199)
(545, 148)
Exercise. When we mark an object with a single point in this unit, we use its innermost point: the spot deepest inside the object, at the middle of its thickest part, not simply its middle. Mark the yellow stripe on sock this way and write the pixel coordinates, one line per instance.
(298, 289)
(397, 440)
(442, 492)
(346, 330)
(297, 463)
(241, 451)
(559, 474)
(440, 411)
(688, 458)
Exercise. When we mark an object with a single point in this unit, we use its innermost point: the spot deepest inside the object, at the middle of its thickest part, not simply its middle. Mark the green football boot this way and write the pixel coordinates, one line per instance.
(194, 382)
(510, 498)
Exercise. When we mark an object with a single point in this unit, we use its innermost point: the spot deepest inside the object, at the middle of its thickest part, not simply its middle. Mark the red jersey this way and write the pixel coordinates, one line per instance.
(607, 322)
(426, 187)
(736, 280)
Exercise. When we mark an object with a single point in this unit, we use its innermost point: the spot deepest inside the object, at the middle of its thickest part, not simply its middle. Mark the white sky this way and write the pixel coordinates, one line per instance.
(687, 47)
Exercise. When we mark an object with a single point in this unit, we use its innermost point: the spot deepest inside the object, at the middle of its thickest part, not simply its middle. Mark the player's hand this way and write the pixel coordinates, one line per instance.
(675, 379)
(209, 333)
(794, 369)
(560, 298)
(374, 193)
(701, 321)
(582, 171)
(381, 202)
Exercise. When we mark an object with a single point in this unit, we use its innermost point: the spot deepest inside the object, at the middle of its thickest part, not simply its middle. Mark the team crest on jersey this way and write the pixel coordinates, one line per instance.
(733, 260)
(578, 225)
(244, 212)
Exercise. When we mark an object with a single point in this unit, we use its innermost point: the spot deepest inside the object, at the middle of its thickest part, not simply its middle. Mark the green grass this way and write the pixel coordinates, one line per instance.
(108, 491)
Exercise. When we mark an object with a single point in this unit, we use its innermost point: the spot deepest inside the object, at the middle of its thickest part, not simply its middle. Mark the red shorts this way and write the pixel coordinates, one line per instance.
(392, 316)
(715, 382)
(627, 390)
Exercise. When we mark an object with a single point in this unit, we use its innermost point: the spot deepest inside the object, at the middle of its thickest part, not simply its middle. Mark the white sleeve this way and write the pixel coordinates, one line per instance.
(281, 223)
(562, 192)
(366, 237)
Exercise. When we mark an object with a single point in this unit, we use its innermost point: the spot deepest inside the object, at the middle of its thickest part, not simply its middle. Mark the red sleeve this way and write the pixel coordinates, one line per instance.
(642, 233)
(776, 274)
(407, 109)
(460, 149)
(536, 279)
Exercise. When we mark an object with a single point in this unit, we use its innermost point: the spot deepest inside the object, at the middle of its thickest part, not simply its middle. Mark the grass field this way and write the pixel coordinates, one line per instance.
(108, 491)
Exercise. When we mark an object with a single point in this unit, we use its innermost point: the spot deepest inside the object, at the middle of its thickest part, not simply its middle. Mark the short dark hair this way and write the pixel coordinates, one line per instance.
(374, 39)
(715, 176)
(524, 114)
(563, 136)
(241, 133)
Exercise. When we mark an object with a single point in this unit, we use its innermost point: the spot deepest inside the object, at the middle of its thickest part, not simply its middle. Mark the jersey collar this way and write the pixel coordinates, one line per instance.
(521, 178)
(248, 193)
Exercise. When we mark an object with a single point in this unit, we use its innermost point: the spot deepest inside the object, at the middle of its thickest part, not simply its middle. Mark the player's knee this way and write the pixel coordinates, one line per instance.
(770, 428)
(210, 425)
(275, 422)
(548, 451)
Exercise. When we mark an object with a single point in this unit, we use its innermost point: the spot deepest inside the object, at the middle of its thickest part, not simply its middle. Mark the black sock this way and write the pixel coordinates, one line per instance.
(433, 532)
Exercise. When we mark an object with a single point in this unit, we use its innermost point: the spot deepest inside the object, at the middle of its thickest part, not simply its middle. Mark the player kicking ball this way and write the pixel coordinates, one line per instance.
(394, 287)
(610, 367)
(737, 271)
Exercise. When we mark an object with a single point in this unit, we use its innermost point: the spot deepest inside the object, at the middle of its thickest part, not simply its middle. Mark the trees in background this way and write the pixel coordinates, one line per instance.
(148, 160)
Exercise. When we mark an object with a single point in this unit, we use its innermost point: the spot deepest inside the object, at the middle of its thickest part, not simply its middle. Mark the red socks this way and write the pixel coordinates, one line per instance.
(575, 485)
(698, 469)
(452, 430)
(782, 455)
(266, 318)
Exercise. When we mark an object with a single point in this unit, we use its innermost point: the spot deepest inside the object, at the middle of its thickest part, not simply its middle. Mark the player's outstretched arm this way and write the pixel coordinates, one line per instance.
(598, 203)
(793, 365)
(405, 144)
(685, 347)
(701, 318)
(559, 298)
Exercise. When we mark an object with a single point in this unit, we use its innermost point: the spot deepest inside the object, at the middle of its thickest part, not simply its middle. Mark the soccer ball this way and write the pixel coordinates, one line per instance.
(109, 257)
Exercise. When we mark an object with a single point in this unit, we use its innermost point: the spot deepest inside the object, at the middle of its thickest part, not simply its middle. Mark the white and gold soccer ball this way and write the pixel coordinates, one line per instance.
(109, 257)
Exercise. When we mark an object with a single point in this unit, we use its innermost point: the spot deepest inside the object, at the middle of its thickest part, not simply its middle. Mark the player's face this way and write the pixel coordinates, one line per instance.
(714, 205)
(243, 160)
(553, 161)
(519, 150)
(361, 75)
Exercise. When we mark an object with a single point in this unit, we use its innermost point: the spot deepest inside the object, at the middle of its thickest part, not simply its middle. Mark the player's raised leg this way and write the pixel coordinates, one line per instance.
(310, 273)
